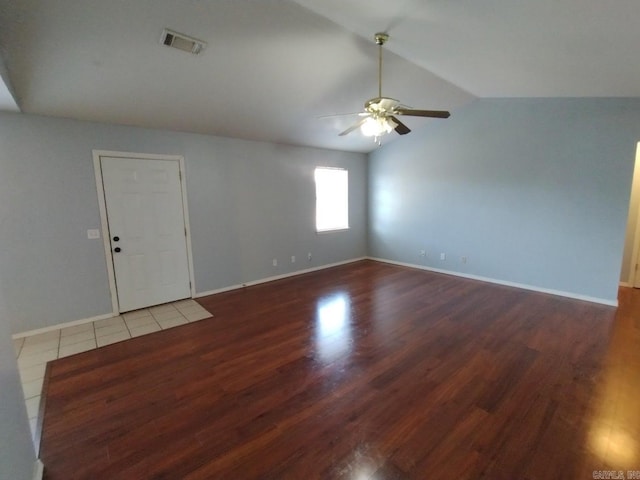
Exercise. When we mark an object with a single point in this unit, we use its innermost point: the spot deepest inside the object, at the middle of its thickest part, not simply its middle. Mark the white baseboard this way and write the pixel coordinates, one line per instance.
(277, 277)
(524, 286)
(58, 326)
(38, 470)
(198, 295)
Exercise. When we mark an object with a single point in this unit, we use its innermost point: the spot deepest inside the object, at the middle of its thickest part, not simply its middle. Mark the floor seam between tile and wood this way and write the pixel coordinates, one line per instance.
(33, 352)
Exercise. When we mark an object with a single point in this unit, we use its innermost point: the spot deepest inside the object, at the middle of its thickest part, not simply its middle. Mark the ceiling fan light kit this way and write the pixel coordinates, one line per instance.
(380, 113)
(376, 127)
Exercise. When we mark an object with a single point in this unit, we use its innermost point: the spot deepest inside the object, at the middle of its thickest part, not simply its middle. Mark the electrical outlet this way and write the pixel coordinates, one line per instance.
(443, 256)
(293, 259)
(463, 259)
(309, 256)
(93, 233)
(275, 262)
(423, 253)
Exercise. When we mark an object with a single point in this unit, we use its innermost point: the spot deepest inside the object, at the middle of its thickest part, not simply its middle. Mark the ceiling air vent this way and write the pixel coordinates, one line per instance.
(182, 42)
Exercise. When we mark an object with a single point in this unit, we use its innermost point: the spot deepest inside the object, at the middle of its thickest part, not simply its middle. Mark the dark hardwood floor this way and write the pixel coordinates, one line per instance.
(364, 371)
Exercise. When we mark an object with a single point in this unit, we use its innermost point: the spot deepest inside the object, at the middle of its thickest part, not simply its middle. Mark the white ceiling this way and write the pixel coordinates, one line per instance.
(273, 66)
(508, 48)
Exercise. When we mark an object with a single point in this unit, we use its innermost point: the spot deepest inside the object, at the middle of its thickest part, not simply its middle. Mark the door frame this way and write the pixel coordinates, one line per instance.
(633, 271)
(106, 236)
(634, 201)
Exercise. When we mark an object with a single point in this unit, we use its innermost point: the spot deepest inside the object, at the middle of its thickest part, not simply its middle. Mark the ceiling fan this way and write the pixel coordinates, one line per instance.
(380, 114)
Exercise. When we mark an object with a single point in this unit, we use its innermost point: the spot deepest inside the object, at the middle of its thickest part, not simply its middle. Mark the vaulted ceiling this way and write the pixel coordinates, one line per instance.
(272, 67)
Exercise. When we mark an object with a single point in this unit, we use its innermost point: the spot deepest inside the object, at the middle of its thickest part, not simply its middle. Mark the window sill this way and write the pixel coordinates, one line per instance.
(322, 232)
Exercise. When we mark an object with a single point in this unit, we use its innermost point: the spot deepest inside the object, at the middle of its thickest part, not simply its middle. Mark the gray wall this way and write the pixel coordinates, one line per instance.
(248, 202)
(532, 191)
(17, 456)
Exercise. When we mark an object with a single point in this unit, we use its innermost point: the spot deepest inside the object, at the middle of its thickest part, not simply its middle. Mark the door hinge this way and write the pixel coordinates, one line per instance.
(180, 174)
(185, 231)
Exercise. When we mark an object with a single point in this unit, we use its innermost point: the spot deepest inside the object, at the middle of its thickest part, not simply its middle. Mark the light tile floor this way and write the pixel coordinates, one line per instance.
(35, 351)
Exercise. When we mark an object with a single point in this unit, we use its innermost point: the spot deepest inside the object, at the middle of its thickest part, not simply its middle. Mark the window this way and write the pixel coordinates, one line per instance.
(332, 199)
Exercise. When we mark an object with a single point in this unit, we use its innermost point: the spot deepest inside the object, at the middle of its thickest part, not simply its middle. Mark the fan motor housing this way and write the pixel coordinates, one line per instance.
(381, 104)
(381, 38)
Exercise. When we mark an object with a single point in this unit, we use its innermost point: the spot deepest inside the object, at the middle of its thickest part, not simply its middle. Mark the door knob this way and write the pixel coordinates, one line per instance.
(117, 249)
(116, 239)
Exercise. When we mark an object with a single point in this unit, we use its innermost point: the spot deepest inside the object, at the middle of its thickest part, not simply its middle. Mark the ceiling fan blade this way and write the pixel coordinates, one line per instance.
(422, 113)
(353, 127)
(360, 114)
(401, 128)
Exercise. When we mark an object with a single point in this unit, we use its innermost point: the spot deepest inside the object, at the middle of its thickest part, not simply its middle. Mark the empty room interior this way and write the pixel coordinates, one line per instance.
(304, 239)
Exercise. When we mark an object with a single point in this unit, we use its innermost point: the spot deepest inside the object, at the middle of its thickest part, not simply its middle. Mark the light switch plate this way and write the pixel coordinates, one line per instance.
(93, 233)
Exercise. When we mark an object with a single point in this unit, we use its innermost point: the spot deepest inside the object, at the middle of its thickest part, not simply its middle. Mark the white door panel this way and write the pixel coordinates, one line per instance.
(144, 211)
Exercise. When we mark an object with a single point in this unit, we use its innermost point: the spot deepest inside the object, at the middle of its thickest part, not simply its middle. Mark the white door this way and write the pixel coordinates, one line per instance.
(146, 223)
